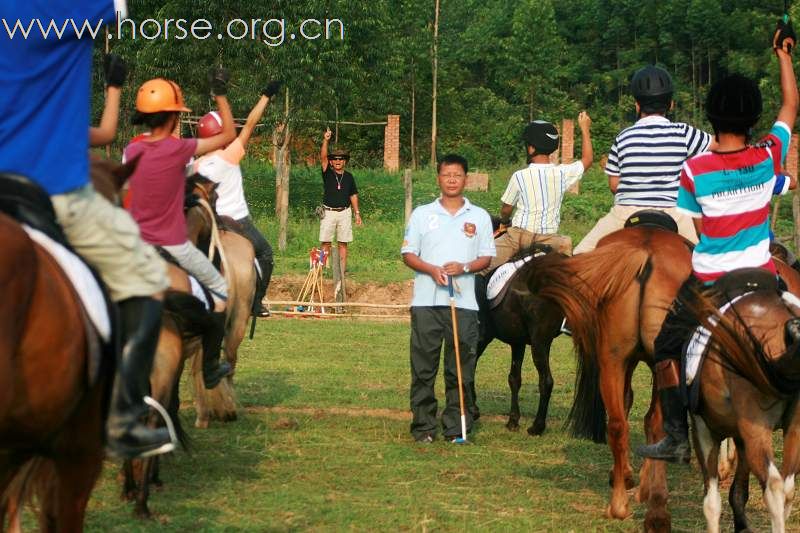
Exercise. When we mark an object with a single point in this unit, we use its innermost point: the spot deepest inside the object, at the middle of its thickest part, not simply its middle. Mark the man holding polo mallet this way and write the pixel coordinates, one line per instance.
(339, 200)
(445, 242)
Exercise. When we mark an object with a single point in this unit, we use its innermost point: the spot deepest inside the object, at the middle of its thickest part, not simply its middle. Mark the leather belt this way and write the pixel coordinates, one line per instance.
(335, 208)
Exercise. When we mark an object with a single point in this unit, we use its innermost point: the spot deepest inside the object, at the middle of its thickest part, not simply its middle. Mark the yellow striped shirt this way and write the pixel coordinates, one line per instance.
(537, 191)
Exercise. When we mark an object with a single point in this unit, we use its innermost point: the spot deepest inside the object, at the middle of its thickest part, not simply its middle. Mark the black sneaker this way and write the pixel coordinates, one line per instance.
(426, 439)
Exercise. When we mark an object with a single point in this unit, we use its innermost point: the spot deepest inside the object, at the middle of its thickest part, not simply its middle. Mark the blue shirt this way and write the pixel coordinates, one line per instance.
(438, 237)
(45, 89)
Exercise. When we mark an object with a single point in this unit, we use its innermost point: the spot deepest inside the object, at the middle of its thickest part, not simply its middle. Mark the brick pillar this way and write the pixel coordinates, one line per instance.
(391, 144)
(792, 157)
(568, 148)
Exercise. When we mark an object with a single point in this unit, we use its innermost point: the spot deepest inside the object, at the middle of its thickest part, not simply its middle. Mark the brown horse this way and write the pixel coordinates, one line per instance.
(238, 267)
(52, 417)
(615, 299)
(749, 384)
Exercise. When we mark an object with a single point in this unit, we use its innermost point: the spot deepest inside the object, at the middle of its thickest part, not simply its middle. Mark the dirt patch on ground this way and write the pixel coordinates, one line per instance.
(287, 288)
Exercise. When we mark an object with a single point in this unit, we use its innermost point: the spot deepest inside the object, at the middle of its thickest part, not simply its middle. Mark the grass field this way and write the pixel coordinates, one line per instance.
(322, 444)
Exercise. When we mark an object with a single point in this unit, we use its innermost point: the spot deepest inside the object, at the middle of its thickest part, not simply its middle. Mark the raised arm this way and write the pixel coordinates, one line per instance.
(219, 87)
(257, 112)
(115, 71)
(587, 152)
(783, 43)
(323, 151)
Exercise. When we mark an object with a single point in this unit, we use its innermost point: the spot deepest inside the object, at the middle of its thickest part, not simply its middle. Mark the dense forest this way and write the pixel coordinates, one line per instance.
(499, 63)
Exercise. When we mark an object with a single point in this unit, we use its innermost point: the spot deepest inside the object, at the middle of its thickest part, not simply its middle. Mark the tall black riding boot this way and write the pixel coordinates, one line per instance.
(675, 446)
(214, 369)
(128, 436)
(262, 282)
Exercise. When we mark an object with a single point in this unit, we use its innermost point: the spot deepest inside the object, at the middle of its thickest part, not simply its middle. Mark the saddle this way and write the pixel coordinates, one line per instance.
(652, 218)
(27, 203)
(725, 292)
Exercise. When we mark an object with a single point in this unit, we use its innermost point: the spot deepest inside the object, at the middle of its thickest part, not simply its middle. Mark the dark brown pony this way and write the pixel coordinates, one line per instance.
(523, 319)
(52, 418)
(615, 299)
(240, 274)
(749, 385)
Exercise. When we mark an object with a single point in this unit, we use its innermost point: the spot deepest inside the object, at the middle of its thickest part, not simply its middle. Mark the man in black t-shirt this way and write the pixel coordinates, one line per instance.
(339, 200)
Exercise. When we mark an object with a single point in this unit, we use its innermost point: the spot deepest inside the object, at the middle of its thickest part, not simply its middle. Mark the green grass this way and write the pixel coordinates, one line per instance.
(322, 444)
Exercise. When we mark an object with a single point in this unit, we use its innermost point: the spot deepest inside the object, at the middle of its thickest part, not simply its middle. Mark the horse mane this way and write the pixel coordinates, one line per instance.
(740, 351)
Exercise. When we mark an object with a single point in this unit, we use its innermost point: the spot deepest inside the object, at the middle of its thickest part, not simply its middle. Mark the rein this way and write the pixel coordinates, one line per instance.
(215, 243)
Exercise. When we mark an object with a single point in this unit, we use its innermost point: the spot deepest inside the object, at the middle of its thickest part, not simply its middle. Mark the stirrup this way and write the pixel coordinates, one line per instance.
(173, 436)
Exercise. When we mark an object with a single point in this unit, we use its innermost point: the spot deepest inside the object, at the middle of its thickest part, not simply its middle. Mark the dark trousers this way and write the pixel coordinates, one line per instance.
(430, 328)
(263, 254)
(678, 324)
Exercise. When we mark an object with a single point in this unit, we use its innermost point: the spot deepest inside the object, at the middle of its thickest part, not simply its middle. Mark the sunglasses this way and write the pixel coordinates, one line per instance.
(337, 158)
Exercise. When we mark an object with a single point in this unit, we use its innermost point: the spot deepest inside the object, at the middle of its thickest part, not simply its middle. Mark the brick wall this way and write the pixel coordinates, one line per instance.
(391, 144)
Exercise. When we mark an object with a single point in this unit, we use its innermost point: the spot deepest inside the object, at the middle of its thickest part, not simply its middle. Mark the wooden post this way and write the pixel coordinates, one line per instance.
(435, 83)
(339, 287)
(282, 166)
(407, 186)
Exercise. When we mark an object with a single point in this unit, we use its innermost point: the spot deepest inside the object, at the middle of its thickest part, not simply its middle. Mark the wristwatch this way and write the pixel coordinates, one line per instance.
(466, 268)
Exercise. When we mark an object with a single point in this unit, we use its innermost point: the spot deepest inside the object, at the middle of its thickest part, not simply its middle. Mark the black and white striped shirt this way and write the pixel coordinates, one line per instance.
(648, 157)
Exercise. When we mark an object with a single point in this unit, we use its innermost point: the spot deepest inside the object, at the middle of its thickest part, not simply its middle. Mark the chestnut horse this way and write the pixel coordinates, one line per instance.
(749, 384)
(615, 299)
(52, 417)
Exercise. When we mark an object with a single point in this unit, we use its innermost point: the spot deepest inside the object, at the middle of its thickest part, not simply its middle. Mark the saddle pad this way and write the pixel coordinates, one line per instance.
(82, 280)
(503, 274)
(199, 293)
(698, 342)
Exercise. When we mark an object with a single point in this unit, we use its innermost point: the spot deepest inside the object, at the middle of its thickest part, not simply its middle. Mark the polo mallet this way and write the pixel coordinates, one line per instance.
(463, 438)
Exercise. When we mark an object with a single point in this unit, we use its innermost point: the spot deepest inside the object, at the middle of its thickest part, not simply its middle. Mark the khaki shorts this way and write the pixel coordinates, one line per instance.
(615, 220)
(516, 239)
(108, 238)
(338, 223)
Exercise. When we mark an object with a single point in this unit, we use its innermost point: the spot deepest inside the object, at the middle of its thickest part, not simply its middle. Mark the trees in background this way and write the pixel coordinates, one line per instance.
(499, 64)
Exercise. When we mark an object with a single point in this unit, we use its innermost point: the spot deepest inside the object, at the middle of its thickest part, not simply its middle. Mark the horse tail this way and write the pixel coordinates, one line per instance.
(34, 478)
(582, 286)
(587, 417)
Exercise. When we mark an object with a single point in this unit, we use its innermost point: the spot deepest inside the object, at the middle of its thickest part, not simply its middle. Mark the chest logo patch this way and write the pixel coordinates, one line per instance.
(433, 222)
(470, 229)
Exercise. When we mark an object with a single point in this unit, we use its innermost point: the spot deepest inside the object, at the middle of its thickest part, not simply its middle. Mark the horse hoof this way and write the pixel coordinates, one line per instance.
(201, 423)
(128, 495)
(142, 512)
(231, 417)
(512, 425)
(536, 429)
(619, 513)
(657, 521)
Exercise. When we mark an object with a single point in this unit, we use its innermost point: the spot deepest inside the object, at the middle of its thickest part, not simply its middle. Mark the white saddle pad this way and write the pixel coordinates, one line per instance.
(82, 279)
(199, 293)
(698, 342)
(504, 273)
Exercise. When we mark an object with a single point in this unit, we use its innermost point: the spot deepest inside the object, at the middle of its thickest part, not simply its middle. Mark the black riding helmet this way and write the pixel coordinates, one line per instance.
(542, 135)
(734, 105)
(652, 87)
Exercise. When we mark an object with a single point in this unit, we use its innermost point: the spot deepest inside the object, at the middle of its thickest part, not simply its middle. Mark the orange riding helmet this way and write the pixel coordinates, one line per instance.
(209, 125)
(159, 95)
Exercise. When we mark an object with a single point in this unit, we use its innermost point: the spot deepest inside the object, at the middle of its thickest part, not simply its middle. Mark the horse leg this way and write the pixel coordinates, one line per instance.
(541, 358)
(653, 433)
(759, 457)
(515, 383)
(740, 491)
(155, 479)
(791, 459)
(128, 481)
(141, 510)
(657, 518)
(483, 343)
(612, 389)
(75, 478)
(707, 449)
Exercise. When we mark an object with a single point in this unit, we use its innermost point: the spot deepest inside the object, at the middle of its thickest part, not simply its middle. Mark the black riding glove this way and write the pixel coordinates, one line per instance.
(272, 88)
(785, 37)
(218, 78)
(115, 69)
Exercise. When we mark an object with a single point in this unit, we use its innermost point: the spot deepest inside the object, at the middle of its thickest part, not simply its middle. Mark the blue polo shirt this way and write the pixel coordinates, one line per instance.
(438, 237)
(45, 88)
